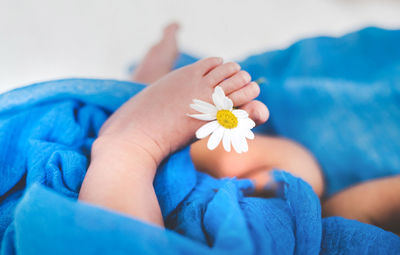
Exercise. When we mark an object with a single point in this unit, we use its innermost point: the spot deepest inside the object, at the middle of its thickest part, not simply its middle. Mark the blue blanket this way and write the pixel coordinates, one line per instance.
(337, 96)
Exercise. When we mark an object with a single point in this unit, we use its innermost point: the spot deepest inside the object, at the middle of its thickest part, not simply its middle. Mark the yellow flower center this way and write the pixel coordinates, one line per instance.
(227, 119)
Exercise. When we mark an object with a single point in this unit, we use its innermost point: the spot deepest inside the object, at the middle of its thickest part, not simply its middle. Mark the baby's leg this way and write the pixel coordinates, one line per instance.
(374, 202)
(150, 126)
(265, 153)
(160, 58)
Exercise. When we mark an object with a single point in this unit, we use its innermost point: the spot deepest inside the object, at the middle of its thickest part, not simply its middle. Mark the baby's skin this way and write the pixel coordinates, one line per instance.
(153, 124)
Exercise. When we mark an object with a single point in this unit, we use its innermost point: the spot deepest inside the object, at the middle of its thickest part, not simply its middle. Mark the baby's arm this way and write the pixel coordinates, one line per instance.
(374, 202)
(265, 153)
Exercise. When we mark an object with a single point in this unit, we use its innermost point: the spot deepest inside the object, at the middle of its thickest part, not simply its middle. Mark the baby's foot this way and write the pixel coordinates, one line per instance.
(160, 59)
(155, 119)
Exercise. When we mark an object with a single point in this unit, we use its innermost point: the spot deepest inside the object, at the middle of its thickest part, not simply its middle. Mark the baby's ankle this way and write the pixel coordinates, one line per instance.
(139, 151)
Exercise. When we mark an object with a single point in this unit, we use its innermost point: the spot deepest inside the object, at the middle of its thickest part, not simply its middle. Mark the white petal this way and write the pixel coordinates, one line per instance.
(218, 98)
(239, 141)
(226, 140)
(228, 104)
(219, 91)
(243, 143)
(206, 129)
(235, 141)
(215, 138)
(240, 114)
(201, 102)
(249, 134)
(247, 123)
(203, 116)
(203, 107)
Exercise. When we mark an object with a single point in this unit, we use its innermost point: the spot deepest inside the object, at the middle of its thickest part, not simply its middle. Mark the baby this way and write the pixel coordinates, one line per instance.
(153, 124)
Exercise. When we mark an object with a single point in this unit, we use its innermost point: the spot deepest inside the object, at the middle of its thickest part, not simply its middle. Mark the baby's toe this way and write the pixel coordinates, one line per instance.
(170, 30)
(257, 111)
(204, 66)
(220, 73)
(235, 82)
(245, 94)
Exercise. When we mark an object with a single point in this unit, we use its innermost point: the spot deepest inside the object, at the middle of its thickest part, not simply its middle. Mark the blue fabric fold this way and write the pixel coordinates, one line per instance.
(337, 96)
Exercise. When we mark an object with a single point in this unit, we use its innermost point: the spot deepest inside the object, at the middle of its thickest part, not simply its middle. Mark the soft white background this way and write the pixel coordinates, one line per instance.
(51, 39)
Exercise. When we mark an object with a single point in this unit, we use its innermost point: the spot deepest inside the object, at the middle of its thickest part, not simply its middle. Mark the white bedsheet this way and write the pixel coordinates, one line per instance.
(47, 39)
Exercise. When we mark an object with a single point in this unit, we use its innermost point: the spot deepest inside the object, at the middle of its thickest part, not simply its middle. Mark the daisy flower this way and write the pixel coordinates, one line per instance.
(232, 126)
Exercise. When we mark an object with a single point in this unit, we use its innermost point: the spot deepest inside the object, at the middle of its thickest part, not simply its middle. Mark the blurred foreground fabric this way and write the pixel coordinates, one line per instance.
(337, 96)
